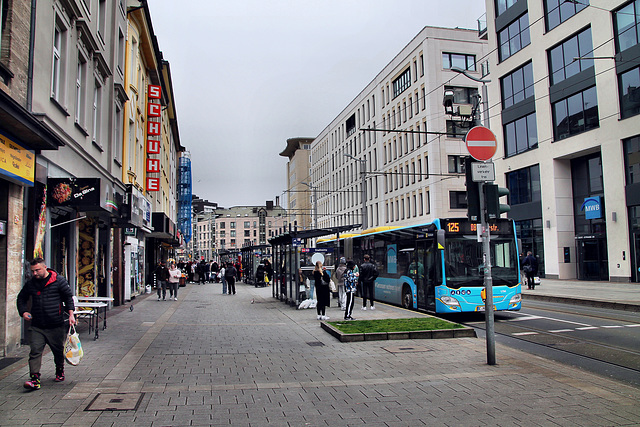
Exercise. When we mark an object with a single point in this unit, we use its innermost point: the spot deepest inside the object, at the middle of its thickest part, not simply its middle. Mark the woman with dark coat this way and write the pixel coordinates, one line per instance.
(322, 278)
(530, 268)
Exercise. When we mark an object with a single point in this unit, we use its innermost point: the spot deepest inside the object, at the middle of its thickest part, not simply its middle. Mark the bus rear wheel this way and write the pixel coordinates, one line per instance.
(407, 298)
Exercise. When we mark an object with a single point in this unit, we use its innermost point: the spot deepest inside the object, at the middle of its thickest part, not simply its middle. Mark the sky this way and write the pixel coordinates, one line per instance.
(249, 74)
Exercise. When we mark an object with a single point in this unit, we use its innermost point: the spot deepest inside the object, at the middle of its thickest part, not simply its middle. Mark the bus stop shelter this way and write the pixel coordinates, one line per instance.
(287, 251)
(251, 257)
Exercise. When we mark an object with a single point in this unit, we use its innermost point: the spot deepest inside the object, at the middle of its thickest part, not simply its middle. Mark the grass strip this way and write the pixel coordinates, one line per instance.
(393, 325)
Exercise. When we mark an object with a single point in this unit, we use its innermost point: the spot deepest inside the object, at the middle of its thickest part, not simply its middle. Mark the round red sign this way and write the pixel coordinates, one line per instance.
(481, 143)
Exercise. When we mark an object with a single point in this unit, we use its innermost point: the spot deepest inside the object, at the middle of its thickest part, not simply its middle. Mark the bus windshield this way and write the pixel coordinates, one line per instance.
(464, 266)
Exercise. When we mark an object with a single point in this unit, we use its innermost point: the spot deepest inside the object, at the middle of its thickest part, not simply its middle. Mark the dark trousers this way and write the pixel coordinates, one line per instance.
(231, 284)
(368, 292)
(530, 283)
(54, 338)
(351, 299)
(162, 286)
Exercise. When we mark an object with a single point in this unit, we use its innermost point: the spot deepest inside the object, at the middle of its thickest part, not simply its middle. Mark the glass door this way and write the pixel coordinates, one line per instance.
(592, 259)
(635, 261)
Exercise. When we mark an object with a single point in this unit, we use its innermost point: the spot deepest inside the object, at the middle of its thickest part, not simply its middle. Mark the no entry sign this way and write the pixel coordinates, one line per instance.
(481, 143)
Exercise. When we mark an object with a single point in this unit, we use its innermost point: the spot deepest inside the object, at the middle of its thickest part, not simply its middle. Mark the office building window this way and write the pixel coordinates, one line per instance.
(626, 24)
(457, 128)
(456, 164)
(460, 60)
(402, 83)
(458, 199)
(524, 185)
(575, 114)
(520, 135)
(632, 160)
(503, 5)
(558, 11)
(514, 37)
(629, 84)
(517, 86)
(561, 58)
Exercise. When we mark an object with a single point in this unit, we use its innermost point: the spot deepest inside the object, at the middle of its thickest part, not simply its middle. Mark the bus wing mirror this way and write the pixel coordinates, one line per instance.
(440, 238)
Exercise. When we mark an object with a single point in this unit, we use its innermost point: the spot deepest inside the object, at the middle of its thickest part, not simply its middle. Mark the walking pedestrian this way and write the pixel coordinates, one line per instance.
(162, 275)
(530, 268)
(174, 281)
(50, 297)
(350, 286)
(223, 279)
(340, 276)
(368, 276)
(230, 274)
(322, 279)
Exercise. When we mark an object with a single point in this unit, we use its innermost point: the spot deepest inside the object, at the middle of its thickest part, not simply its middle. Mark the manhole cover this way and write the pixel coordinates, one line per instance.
(315, 344)
(115, 402)
(406, 349)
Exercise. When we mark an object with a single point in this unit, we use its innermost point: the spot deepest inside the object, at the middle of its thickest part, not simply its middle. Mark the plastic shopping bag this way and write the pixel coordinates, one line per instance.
(73, 347)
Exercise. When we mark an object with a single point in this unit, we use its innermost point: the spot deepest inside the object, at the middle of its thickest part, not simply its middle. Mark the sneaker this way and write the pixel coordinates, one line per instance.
(364, 308)
(59, 377)
(373, 308)
(33, 383)
(349, 318)
(319, 317)
(158, 298)
(325, 318)
(164, 299)
(175, 298)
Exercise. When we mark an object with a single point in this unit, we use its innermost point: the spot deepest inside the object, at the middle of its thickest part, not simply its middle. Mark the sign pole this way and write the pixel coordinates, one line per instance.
(482, 145)
(488, 282)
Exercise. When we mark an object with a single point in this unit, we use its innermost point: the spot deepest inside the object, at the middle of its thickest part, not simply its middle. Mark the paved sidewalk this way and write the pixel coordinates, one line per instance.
(251, 360)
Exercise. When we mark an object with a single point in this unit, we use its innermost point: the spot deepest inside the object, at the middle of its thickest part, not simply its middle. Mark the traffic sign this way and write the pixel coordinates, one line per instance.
(482, 172)
(481, 143)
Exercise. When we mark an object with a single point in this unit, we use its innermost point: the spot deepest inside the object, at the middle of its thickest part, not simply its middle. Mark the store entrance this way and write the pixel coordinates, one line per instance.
(592, 258)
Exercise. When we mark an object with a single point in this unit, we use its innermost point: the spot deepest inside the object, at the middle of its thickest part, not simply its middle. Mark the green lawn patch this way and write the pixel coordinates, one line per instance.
(394, 325)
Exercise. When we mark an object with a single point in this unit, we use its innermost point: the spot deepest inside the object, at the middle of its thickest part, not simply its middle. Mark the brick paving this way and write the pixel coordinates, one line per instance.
(250, 360)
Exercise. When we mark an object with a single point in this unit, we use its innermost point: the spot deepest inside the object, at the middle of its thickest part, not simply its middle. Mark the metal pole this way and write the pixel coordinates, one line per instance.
(364, 195)
(488, 282)
(315, 207)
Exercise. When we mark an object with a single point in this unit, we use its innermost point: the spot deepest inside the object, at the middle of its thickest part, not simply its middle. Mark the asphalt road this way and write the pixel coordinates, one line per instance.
(603, 341)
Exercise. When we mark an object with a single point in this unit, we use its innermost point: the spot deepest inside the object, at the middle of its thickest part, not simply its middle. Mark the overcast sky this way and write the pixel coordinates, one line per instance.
(248, 74)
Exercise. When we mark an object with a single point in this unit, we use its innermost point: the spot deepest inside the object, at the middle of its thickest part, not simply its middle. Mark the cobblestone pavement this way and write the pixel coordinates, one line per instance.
(251, 360)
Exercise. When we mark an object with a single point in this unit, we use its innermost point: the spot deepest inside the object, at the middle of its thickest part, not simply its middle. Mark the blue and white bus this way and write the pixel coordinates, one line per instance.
(438, 266)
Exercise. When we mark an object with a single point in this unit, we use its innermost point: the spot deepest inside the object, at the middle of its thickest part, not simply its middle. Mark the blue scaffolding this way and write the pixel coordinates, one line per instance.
(184, 196)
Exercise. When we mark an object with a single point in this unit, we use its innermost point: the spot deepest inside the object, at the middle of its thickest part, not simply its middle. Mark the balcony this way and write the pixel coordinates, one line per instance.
(482, 27)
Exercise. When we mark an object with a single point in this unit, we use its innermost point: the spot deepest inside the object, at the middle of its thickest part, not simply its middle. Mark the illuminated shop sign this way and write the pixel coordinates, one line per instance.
(154, 136)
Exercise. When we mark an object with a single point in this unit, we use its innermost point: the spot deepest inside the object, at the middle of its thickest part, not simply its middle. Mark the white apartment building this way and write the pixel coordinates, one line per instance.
(397, 128)
(564, 106)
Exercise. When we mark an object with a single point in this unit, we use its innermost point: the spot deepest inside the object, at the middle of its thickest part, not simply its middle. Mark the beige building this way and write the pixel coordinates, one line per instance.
(397, 130)
(564, 107)
(301, 191)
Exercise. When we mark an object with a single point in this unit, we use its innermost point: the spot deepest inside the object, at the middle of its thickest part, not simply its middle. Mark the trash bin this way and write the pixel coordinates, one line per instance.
(183, 281)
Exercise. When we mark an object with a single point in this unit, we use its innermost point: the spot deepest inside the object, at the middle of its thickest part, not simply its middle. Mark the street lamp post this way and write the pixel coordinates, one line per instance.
(315, 203)
(363, 193)
(486, 236)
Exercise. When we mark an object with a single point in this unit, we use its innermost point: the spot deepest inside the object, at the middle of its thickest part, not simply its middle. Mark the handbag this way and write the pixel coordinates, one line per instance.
(536, 281)
(332, 286)
(73, 347)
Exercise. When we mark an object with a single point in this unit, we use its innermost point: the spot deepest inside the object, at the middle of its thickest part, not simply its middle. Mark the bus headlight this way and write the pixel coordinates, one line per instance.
(516, 299)
(450, 301)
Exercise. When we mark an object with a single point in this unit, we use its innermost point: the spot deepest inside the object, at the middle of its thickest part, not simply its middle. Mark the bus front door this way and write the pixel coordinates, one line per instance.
(421, 271)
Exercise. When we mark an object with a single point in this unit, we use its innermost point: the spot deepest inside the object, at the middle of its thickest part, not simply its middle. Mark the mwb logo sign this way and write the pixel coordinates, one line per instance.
(592, 208)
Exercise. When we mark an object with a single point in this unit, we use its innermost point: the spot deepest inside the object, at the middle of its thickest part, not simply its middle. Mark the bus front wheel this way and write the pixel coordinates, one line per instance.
(407, 298)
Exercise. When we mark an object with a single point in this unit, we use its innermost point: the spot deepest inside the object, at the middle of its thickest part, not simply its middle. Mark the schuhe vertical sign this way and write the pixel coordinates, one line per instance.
(154, 125)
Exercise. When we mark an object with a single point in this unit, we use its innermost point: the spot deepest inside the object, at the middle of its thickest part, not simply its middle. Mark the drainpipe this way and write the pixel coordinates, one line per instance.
(32, 43)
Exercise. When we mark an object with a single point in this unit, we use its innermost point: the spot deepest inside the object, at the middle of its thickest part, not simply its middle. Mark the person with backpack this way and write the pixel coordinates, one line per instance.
(368, 276)
(230, 276)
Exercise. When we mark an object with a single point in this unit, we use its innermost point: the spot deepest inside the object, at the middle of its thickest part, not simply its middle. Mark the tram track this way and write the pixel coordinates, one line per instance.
(601, 357)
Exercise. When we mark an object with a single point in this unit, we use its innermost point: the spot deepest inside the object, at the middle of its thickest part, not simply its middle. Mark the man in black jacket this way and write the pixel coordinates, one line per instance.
(368, 276)
(48, 292)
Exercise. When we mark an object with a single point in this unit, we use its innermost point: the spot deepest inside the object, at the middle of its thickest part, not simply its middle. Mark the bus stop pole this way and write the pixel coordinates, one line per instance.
(488, 281)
